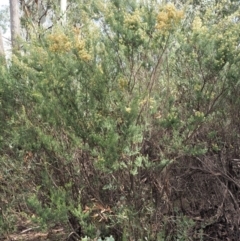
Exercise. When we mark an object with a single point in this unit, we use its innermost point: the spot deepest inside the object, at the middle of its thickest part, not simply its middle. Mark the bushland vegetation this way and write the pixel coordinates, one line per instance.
(125, 126)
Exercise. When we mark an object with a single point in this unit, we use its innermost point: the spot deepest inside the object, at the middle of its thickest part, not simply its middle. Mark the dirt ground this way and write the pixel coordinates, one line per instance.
(32, 235)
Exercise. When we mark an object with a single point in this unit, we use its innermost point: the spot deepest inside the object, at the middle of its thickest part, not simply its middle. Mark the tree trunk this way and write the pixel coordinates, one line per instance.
(63, 10)
(2, 54)
(1, 45)
(15, 22)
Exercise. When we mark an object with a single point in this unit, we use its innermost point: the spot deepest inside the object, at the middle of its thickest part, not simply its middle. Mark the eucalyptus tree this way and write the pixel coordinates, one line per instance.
(15, 21)
(63, 7)
(1, 45)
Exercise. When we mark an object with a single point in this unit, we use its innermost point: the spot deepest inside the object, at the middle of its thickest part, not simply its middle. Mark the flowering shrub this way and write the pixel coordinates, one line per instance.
(115, 121)
(61, 43)
(169, 17)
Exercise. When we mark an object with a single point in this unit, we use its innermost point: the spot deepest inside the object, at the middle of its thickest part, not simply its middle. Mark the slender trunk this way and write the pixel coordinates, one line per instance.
(15, 22)
(2, 53)
(42, 12)
(63, 10)
(1, 45)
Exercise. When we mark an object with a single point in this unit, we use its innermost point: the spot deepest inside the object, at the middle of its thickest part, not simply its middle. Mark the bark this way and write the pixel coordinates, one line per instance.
(63, 10)
(2, 53)
(15, 22)
(1, 45)
(42, 12)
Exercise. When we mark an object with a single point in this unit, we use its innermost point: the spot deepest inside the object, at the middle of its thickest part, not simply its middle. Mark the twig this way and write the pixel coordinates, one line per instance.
(29, 229)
